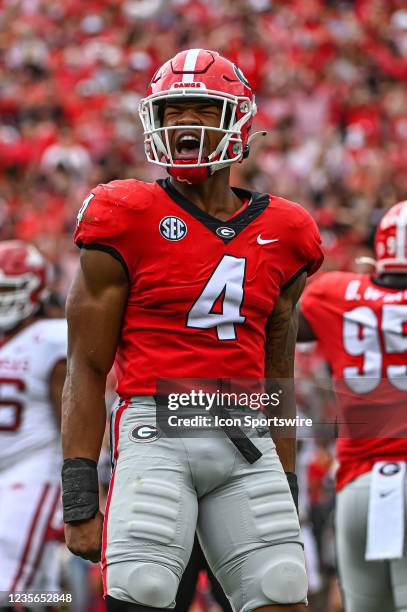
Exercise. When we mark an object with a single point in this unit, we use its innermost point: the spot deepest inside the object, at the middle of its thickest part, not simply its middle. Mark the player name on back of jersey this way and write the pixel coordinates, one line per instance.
(355, 291)
(11, 364)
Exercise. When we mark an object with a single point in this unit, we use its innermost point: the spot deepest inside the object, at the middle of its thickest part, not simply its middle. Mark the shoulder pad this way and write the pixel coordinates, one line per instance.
(129, 193)
(292, 213)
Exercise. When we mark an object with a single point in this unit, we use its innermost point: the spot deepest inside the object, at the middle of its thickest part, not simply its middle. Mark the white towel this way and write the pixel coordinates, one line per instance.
(385, 526)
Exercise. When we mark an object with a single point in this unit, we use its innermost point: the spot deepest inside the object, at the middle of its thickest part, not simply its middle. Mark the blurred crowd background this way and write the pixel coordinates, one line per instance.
(330, 81)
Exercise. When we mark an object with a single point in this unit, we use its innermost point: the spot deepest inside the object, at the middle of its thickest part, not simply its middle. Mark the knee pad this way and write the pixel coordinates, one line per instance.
(285, 582)
(153, 585)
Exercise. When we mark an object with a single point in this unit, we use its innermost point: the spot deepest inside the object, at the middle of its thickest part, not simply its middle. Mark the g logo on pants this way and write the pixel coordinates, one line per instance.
(144, 433)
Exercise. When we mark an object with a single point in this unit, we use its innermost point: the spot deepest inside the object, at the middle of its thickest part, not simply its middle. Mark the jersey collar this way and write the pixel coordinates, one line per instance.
(224, 230)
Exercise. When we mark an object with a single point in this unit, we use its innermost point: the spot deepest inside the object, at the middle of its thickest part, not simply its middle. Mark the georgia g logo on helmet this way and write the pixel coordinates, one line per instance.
(199, 74)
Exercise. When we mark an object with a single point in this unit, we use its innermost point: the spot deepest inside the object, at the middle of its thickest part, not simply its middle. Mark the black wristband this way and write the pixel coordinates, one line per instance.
(80, 489)
(293, 482)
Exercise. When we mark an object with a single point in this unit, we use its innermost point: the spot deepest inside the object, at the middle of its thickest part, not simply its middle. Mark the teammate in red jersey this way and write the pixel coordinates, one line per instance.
(360, 322)
(186, 278)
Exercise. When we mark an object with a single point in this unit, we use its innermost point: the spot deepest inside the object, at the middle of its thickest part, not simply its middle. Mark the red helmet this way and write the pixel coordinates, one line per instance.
(197, 74)
(391, 240)
(23, 282)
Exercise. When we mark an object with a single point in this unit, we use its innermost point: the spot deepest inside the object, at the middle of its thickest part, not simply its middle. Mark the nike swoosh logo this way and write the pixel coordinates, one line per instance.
(261, 241)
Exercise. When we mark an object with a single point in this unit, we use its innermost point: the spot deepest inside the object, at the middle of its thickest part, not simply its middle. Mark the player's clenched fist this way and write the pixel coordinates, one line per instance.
(85, 539)
(80, 500)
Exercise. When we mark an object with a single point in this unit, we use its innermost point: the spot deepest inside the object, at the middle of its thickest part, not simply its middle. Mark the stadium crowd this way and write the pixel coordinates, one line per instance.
(330, 82)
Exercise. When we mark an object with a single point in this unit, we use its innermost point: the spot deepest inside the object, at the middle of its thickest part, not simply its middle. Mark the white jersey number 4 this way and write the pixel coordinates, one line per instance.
(84, 206)
(227, 282)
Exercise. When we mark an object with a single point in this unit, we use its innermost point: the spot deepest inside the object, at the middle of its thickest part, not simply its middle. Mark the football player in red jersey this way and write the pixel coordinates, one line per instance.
(186, 278)
(360, 322)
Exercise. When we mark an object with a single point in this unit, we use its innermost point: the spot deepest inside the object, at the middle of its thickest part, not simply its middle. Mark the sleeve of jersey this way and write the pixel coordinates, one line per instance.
(55, 347)
(302, 251)
(104, 224)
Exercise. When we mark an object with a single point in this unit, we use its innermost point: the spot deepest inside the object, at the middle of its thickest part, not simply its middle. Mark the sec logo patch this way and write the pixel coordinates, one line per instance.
(144, 433)
(173, 228)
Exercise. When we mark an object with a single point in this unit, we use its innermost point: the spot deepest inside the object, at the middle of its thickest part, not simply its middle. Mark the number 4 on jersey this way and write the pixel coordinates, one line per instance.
(227, 281)
(84, 207)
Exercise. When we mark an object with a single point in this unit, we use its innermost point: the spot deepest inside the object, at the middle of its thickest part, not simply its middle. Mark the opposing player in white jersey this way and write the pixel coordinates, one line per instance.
(32, 370)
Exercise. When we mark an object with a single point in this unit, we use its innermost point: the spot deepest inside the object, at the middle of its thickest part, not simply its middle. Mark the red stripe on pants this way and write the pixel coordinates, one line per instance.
(116, 434)
(44, 539)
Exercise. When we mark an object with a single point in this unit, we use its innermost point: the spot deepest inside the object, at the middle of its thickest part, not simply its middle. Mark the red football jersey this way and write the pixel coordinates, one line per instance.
(201, 289)
(361, 328)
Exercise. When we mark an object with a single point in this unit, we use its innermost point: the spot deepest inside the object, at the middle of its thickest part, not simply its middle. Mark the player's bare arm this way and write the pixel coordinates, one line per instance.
(280, 351)
(94, 311)
(56, 385)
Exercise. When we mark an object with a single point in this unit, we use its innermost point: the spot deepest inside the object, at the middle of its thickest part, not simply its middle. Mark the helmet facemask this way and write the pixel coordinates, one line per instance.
(235, 113)
(15, 299)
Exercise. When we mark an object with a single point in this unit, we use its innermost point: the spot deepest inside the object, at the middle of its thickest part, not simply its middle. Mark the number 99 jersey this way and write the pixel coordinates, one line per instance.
(361, 327)
(27, 419)
(201, 289)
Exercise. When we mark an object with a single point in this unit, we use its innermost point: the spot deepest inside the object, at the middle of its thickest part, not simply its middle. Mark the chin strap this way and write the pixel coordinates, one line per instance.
(192, 176)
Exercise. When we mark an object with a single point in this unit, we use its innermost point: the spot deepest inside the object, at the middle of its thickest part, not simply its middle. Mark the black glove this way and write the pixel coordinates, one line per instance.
(293, 482)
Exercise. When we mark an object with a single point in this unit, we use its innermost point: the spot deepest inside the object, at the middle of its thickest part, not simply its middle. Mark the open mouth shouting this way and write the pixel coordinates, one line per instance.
(187, 145)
